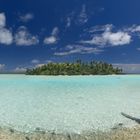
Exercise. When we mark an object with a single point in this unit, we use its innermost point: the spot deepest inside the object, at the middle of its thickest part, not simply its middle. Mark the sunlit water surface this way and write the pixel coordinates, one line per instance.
(68, 103)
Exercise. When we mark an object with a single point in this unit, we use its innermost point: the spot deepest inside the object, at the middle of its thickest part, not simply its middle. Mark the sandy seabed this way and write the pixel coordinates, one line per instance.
(114, 134)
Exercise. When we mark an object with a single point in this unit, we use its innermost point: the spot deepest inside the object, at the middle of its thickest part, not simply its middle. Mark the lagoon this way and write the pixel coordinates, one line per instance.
(68, 103)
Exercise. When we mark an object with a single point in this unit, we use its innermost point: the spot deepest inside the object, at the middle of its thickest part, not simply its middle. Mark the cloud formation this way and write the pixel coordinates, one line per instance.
(69, 19)
(24, 38)
(78, 49)
(6, 36)
(20, 69)
(50, 40)
(2, 67)
(53, 38)
(2, 20)
(68, 22)
(78, 17)
(105, 36)
(82, 17)
(133, 29)
(129, 68)
(39, 65)
(108, 38)
(100, 28)
(27, 17)
(35, 61)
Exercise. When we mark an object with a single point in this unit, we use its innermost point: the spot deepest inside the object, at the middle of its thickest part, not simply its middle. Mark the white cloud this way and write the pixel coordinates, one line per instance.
(100, 28)
(5, 36)
(2, 20)
(39, 65)
(68, 22)
(55, 31)
(69, 19)
(118, 38)
(132, 29)
(129, 68)
(24, 38)
(27, 17)
(53, 38)
(78, 16)
(108, 38)
(50, 40)
(73, 49)
(20, 69)
(136, 29)
(2, 66)
(48, 61)
(82, 17)
(35, 61)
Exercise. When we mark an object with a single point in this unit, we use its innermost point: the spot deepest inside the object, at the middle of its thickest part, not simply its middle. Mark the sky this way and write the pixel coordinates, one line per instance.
(34, 32)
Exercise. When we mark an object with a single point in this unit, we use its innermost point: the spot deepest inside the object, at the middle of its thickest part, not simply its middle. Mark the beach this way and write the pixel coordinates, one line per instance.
(117, 134)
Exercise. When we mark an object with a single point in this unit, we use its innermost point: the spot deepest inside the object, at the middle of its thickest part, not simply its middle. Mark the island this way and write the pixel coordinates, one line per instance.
(76, 68)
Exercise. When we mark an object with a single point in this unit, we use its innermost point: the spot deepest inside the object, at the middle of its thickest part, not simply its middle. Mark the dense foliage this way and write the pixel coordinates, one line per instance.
(77, 68)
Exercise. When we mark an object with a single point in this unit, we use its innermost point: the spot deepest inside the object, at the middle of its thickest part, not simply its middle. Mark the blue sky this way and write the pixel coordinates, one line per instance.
(37, 32)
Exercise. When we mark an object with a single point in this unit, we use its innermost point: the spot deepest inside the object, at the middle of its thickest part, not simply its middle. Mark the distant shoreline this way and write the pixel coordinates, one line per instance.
(70, 75)
(75, 68)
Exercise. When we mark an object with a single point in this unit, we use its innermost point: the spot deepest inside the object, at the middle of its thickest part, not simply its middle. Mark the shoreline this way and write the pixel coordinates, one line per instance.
(121, 133)
(123, 74)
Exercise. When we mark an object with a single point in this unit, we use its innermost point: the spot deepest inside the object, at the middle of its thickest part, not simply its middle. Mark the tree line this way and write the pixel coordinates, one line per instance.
(76, 68)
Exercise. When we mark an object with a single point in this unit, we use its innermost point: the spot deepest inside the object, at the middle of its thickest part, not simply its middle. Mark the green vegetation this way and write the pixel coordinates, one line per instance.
(77, 68)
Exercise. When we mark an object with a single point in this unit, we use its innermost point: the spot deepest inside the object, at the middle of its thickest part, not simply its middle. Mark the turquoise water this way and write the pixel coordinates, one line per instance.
(68, 104)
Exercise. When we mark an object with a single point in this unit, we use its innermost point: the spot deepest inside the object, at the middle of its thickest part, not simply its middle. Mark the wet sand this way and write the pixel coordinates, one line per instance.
(114, 134)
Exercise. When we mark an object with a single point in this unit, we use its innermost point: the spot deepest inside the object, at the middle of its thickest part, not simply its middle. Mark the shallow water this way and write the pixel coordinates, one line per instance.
(68, 103)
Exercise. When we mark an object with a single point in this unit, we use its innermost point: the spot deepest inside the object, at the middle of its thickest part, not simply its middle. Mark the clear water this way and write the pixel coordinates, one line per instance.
(68, 104)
